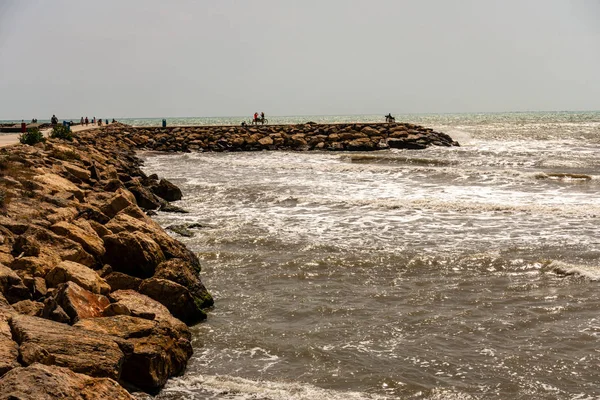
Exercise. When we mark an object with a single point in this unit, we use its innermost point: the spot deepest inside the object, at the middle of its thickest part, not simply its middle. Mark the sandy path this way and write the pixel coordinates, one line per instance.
(8, 140)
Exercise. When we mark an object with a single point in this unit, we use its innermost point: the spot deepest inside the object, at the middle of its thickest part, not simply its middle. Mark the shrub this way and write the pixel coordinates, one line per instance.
(32, 136)
(61, 132)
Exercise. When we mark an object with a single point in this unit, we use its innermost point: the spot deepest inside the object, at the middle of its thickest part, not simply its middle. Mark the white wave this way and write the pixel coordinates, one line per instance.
(230, 387)
(586, 271)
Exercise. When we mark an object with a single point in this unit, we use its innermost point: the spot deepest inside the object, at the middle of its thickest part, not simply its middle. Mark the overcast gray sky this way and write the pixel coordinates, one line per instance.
(154, 58)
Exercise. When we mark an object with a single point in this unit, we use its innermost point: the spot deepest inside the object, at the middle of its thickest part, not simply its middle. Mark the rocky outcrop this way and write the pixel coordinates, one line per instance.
(76, 247)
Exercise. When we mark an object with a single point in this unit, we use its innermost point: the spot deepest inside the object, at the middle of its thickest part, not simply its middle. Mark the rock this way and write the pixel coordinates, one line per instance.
(85, 277)
(140, 304)
(12, 286)
(27, 246)
(45, 382)
(145, 198)
(135, 253)
(114, 309)
(9, 350)
(79, 303)
(167, 190)
(175, 297)
(37, 286)
(266, 141)
(121, 281)
(87, 238)
(181, 229)
(186, 274)
(396, 143)
(157, 352)
(121, 200)
(78, 172)
(28, 307)
(53, 343)
(168, 207)
(53, 182)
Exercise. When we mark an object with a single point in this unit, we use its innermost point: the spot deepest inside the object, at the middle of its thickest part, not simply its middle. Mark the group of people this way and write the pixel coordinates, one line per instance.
(257, 119)
(85, 121)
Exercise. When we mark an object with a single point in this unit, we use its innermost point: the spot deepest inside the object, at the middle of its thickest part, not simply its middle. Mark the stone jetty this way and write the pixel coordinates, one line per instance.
(95, 297)
(309, 136)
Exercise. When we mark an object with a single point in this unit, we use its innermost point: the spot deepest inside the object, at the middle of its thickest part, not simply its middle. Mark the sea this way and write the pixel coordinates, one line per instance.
(468, 272)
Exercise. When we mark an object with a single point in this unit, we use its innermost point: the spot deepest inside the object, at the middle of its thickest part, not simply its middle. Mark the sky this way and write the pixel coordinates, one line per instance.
(155, 58)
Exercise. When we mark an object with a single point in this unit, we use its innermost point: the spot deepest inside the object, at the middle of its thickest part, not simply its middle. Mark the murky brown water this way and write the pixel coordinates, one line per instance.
(400, 274)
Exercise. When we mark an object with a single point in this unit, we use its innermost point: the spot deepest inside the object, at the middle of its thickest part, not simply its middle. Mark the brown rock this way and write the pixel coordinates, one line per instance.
(45, 382)
(28, 307)
(53, 343)
(78, 172)
(9, 351)
(266, 141)
(116, 203)
(135, 253)
(80, 274)
(88, 239)
(79, 303)
(167, 190)
(175, 297)
(53, 182)
(12, 286)
(158, 353)
(121, 281)
(140, 304)
(186, 274)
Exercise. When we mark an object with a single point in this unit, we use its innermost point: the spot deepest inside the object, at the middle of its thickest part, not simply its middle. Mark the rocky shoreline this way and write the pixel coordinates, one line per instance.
(95, 297)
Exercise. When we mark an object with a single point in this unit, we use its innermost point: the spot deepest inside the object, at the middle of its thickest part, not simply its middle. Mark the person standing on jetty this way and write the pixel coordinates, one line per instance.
(255, 118)
(81, 122)
(54, 120)
(23, 126)
(86, 121)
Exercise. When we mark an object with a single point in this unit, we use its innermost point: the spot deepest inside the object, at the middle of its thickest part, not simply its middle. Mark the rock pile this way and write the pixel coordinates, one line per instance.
(93, 293)
(335, 137)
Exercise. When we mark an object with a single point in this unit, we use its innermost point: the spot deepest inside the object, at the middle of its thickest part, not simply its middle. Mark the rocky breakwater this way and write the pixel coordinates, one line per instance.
(94, 295)
(309, 136)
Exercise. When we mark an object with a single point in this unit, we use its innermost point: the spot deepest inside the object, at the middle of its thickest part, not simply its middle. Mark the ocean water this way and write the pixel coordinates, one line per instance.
(447, 273)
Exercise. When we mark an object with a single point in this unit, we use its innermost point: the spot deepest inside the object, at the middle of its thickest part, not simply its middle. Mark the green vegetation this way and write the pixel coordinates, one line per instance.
(61, 132)
(32, 136)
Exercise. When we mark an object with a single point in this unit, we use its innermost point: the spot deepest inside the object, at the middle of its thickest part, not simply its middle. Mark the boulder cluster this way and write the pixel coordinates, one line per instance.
(309, 136)
(95, 297)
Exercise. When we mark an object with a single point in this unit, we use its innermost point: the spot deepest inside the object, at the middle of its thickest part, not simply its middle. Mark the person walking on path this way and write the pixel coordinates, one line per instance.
(86, 121)
(81, 122)
(23, 126)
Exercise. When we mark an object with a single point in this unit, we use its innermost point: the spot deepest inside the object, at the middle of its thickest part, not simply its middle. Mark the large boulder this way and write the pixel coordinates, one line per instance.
(79, 303)
(186, 274)
(52, 343)
(87, 238)
(158, 353)
(141, 305)
(170, 247)
(166, 190)
(45, 382)
(144, 197)
(133, 253)
(85, 277)
(175, 297)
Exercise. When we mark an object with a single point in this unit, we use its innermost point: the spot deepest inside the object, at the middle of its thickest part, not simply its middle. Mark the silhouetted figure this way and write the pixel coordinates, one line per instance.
(54, 120)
